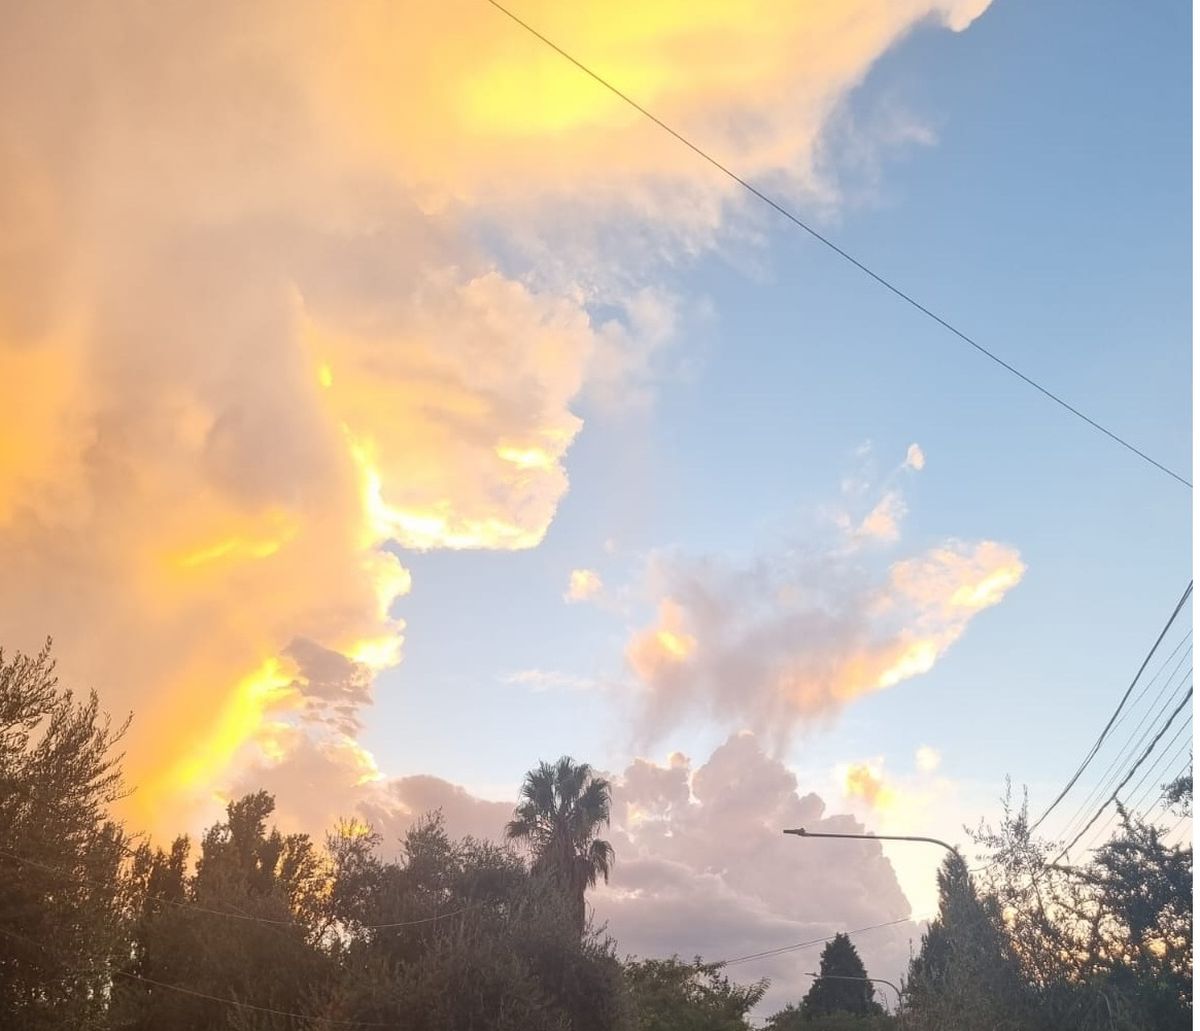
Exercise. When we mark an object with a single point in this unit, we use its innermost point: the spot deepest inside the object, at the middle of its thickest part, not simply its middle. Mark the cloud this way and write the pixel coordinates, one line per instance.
(928, 759)
(539, 680)
(882, 523)
(793, 637)
(256, 335)
(703, 868)
(915, 459)
(584, 585)
(865, 780)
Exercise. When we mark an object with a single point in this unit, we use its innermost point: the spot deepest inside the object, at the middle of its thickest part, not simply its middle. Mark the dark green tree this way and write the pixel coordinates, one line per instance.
(247, 925)
(562, 808)
(965, 974)
(457, 936)
(671, 995)
(841, 986)
(61, 894)
(1101, 945)
(792, 1018)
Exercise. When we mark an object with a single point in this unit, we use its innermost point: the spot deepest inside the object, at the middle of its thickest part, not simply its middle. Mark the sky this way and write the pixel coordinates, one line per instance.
(390, 407)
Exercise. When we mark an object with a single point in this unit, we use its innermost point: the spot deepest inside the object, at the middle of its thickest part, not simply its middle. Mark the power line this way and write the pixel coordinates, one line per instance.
(1129, 749)
(1134, 806)
(800, 223)
(808, 944)
(1161, 766)
(1182, 819)
(146, 896)
(193, 992)
(1112, 719)
(1128, 776)
(339, 1022)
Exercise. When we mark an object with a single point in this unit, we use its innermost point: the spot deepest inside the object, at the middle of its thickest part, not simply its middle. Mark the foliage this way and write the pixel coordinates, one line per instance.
(246, 925)
(792, 1018)
(673, 995)
(562, 807)
(252, 926)
(61, 898)
(965, 974)
(1106, 944)
(842, 985)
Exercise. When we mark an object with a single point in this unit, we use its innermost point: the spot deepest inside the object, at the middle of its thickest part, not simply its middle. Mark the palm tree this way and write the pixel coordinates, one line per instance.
(562, 806)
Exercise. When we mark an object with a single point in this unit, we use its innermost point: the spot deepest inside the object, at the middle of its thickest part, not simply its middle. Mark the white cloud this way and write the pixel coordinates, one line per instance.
(584, 585)
(928, 759)
(915, 459)
(704, 868)
(882, 523)
(792, 636)
(539, 680)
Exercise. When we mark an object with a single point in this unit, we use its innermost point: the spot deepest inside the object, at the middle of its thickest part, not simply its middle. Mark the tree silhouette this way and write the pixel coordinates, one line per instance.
(842, 986)
(562, 807)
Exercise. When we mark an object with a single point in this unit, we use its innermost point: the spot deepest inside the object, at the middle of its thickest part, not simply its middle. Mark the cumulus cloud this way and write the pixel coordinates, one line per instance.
(703, 868)
(795, 636)
(702, 864)
(915, 459)
(584, 585)
(928, 759)
(251, 342)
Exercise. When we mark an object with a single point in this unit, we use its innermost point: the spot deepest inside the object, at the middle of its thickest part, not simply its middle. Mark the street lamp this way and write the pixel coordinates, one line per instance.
(872, 980)
(802, 833)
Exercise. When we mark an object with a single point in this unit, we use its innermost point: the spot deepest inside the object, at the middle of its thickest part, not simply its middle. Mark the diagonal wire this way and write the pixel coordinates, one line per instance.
(808, 944)
(1116, 712)
(800, 223)
(197, 907)
(1170, 689)
(338, 1022)
(1113, 797)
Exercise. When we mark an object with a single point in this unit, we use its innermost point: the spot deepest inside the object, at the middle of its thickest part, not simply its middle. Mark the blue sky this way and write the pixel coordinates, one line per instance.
(1048, 216)
(296, 306)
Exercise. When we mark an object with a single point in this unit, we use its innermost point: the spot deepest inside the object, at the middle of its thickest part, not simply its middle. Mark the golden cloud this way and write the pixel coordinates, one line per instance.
(584, 585)
(250, 344)
(788, 638)
(865, 781)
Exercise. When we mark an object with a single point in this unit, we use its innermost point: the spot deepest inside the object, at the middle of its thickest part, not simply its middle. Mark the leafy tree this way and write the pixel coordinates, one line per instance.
(792, 1018)
(1178, 794)
(1105, 944)
(469, 940)
(841, 986)
(61, 899)
(671, 995)
(562, 807)
(965, 974)
(246, 925)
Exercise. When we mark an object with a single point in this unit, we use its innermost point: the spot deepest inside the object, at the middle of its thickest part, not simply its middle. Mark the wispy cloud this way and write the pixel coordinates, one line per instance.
(549, 680)
(793, 635)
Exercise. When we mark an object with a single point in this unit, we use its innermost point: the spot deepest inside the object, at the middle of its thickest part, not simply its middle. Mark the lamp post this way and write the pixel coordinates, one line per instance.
(800, 832)
(872, 980)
